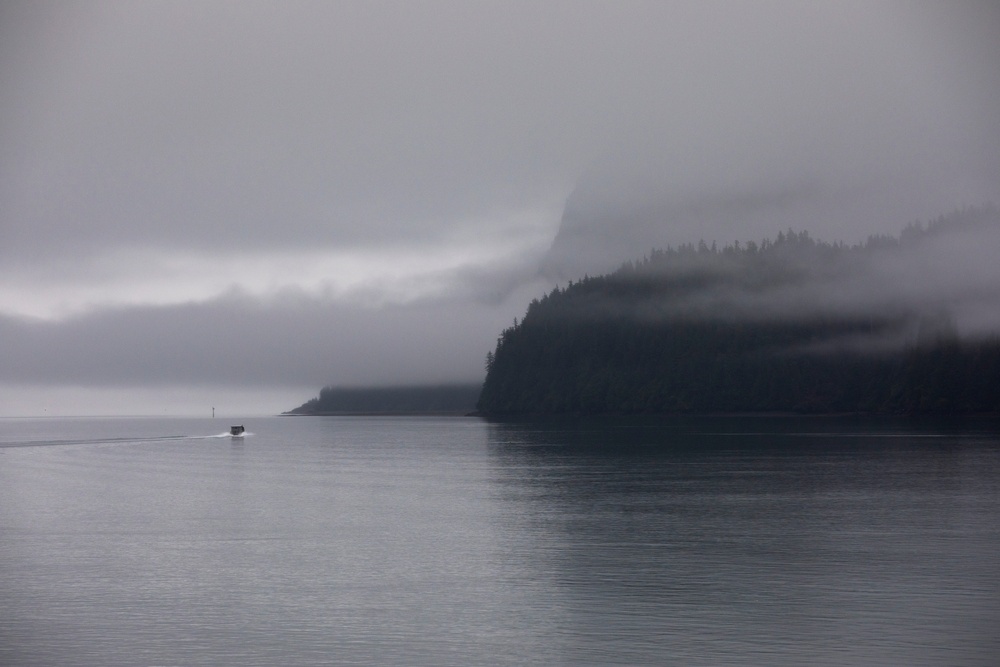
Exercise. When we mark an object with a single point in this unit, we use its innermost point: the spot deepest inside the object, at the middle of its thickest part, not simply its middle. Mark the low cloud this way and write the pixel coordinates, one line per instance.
(293, 339)
(942, 280)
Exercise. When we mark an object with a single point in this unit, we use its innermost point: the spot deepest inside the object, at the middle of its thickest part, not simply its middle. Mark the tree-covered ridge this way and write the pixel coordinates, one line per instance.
(793, 324)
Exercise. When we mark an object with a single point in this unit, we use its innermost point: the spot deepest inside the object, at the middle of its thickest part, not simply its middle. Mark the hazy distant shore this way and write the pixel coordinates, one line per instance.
(450, 399)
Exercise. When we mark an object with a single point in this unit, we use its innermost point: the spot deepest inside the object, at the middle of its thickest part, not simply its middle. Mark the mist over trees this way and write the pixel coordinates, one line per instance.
(901, 324)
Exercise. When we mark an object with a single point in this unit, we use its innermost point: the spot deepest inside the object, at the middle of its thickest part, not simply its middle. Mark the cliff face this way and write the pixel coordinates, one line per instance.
(605, 222)
(595, 237)
(631, 202)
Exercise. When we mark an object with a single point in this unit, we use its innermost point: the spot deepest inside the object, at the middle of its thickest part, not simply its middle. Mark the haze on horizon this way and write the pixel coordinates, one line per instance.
(235, 204)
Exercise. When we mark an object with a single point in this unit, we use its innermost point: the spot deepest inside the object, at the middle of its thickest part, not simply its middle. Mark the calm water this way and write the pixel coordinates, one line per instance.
(449, 541)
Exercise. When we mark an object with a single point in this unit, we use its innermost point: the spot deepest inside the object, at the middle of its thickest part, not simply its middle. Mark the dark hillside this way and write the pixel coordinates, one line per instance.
(786, 325)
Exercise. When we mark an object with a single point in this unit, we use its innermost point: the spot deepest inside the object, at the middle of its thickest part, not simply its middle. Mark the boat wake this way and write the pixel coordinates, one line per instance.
(68, 442)
(225, 434)
(53, 442)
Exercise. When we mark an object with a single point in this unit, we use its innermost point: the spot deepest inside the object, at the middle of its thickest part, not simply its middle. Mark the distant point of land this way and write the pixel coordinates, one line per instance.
(454, 399)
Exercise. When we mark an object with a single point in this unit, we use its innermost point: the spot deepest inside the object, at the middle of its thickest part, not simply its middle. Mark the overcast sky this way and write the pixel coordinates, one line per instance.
(236, 203)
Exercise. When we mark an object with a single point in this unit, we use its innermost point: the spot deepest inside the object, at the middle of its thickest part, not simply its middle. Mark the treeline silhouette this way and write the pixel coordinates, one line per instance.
(745, 328)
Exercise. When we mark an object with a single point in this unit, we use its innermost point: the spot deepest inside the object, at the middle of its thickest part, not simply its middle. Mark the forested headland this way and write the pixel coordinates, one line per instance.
(901, 325)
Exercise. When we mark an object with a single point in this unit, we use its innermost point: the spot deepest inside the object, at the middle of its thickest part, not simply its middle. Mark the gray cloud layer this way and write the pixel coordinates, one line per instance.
(194, 124)
(240, 341)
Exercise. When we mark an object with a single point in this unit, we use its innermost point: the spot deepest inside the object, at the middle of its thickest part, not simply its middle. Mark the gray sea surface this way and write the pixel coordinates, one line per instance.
(453, 541)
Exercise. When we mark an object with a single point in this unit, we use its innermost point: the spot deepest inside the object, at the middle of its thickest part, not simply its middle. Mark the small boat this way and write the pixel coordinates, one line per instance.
(236, 431)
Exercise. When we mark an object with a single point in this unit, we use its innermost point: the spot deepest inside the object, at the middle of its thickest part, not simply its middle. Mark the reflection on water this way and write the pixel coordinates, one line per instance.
(428, 541)
(743, 541)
